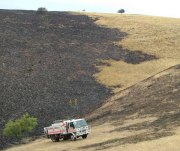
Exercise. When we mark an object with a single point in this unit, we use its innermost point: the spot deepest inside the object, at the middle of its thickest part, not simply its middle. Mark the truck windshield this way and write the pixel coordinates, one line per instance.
(80, 123)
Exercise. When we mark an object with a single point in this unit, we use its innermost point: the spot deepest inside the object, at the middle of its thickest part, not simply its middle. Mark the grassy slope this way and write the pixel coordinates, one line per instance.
(153, 35)
(164, 144)
(149, 111)
(170, 143)
(139, 124)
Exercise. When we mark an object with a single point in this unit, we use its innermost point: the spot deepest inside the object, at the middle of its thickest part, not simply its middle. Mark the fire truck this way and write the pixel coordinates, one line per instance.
(67, 129)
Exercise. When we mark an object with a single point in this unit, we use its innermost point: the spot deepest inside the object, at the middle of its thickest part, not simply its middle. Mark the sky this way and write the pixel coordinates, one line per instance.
(167, 8)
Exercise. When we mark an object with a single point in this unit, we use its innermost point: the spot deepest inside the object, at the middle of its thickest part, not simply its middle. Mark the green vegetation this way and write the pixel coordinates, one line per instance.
(73, 103)
(20, 126)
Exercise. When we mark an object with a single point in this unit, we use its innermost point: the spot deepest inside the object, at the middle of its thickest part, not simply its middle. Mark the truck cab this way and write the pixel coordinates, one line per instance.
(79, 127)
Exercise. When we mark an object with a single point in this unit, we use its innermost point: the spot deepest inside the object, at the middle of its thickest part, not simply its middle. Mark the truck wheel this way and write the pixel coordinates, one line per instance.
(73, 137)
(65, 138)
(84, 136)
(55, 139)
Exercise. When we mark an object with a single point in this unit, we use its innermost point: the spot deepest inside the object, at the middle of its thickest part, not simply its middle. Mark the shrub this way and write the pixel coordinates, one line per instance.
(73, 103)
(42, 10)
(121, 11)
(20, 126)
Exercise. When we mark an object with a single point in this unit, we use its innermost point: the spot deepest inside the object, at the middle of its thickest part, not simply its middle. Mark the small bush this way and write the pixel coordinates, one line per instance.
(73, 103)
(42, 11)
(20, 126)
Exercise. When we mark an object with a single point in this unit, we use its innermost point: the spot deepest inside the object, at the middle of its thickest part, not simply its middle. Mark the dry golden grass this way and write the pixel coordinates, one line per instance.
(101, 134)
(170, 143)
(125, 75)
(152, 35)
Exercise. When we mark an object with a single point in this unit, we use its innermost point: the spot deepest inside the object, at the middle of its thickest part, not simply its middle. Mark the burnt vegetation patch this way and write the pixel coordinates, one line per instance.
(48, 59)
(157, 97)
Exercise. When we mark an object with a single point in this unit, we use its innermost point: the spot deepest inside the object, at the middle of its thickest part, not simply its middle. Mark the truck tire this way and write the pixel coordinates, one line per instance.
(84, 136)
(73, 137)
(65, 138)
(55, 138)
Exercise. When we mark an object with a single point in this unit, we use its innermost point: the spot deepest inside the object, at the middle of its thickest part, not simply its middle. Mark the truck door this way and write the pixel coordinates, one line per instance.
(71, 127)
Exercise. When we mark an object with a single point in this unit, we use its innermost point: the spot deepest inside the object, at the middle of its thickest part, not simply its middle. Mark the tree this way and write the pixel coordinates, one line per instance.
(42, 11)
(121, 11)
(20, 126)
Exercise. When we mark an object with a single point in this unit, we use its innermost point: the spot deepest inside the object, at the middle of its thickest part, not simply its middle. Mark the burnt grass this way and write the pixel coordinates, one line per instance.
(47, 60)
(154, 97)
(126, 140)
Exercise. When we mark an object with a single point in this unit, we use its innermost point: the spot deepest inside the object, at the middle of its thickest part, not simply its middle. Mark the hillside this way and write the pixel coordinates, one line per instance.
(48, 62)
(66, 64)
(155, 36)
(144, 117)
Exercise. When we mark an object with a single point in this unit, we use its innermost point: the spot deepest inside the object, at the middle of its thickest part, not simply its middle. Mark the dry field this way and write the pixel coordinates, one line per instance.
(102, 134)
(152, 35)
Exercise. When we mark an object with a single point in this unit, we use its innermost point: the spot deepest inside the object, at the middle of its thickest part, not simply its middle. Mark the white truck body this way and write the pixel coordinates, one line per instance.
(67, 129)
